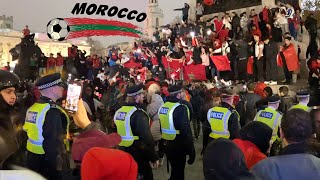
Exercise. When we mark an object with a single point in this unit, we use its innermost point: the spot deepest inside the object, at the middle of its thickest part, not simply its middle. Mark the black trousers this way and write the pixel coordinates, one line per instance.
(287, 73)
(259, 71)
(185, 18)
(242, 69)
(39, 164)
(177, 162)
(196, 126)
(271, 68)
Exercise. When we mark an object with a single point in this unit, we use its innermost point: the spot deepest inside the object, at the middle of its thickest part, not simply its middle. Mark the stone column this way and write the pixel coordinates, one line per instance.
(268, 3)
(192, 10)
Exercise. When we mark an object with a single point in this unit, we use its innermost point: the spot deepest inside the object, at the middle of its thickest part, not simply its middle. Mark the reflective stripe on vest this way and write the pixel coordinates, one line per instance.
(301, 106)
(122, 121)
(218, 118)
(33, 126)
(271, 118)
(168, 131)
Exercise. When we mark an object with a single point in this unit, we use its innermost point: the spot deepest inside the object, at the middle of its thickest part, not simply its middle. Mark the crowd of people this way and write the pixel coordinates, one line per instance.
(136, 110)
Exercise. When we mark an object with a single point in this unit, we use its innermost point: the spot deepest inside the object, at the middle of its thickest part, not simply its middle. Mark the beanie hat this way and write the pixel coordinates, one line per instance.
(258, 133)
(108, 164)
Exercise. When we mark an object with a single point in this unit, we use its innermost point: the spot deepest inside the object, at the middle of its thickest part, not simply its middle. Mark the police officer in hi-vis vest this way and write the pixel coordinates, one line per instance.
(175, 128)
(46, 126)
(303, 97)
(224, 120)
(133, 125)
(271, 116)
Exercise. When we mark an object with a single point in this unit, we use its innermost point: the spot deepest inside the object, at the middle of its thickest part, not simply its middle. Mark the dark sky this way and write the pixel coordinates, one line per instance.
(37, 13)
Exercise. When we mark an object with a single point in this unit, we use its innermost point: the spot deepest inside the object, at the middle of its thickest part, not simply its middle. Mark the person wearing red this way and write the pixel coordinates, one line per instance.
(314, 67)
(95, 64)
(217, 24)
(72, 51)
(256, 31)
(59, 63)
(254, 142)
(26, 31)
(223, 34)
(288, 59)
(51, 64)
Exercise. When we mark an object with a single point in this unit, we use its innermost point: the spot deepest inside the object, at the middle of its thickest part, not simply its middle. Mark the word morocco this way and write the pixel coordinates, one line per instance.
(82, 8)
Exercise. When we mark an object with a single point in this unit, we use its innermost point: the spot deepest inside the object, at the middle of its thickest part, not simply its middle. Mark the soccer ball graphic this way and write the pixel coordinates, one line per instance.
(58, 29)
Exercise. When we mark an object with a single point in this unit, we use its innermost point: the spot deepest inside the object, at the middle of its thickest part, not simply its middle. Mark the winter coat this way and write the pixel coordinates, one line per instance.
(294, 166)
(152, 110)
(251, 152)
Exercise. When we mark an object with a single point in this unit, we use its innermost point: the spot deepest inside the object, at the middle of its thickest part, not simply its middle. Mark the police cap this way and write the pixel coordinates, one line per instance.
(175, 89)
(227, 94)
(49, 81)
(303, 94)
(134, 90)
(274, 99)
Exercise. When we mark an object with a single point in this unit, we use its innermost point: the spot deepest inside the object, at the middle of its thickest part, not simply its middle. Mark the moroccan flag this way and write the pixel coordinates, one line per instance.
(221, 62)
(86, 27)
(250, 65)
(131, 64)
(173, 65)
(194, 72)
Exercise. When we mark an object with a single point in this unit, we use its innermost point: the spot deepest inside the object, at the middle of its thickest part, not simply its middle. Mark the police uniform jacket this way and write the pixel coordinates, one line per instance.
(54, 131)
(183, 143)
(233, 123)
(142, 149)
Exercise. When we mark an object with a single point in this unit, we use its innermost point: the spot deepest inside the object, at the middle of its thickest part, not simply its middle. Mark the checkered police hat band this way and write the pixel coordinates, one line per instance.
(136, 93)
(54, 83)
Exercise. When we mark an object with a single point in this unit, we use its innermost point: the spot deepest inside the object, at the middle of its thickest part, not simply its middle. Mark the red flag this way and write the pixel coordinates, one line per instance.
(131, 64)
(174, 65)
(250, 65)
(208, 2)
(221, 62)
(194, 72)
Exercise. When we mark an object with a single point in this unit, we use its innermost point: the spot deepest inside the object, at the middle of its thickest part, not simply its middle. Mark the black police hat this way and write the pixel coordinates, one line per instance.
(274, 99)
(8, 79)
(134, 90)
(49, 81)
(175, 89)
(303, 94)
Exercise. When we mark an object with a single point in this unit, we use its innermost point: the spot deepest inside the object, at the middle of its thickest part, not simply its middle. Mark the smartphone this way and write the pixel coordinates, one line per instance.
(73, 96)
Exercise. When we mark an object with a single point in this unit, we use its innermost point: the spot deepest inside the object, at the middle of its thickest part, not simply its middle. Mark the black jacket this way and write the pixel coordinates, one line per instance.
(12, 138)
(183, 143)
(286, 103)
(271, 51)
(143, 149)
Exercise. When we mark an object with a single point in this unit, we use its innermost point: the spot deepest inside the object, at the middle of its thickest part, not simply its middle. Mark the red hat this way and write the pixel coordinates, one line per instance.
(108, 164)
(90, 139)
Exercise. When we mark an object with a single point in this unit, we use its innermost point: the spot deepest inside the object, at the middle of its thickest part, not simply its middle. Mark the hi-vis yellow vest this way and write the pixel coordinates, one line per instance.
(122, 121)
(272, 118)
(168, 131)
(34, 121)
(301, 106)
(218, 118)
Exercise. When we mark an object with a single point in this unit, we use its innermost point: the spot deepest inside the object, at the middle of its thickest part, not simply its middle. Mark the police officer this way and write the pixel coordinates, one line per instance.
(175, 128)
(46, 127)
(224, 120)
(9, 145)
(271, 116)
(133, 125)
(303, 97)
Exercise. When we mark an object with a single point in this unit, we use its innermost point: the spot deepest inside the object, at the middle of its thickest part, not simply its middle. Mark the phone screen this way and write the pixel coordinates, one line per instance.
(73, 96)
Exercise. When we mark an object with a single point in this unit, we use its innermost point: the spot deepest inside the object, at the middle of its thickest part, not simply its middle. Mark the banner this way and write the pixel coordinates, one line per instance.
(131, 64)
(194, 72)
(172, 66)
(221, 62)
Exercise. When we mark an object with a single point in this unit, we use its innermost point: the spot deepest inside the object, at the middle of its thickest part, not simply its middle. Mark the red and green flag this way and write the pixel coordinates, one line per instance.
(86, 27)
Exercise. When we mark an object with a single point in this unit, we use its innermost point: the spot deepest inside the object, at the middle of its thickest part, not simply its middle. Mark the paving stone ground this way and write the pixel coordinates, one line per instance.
(192, 172)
